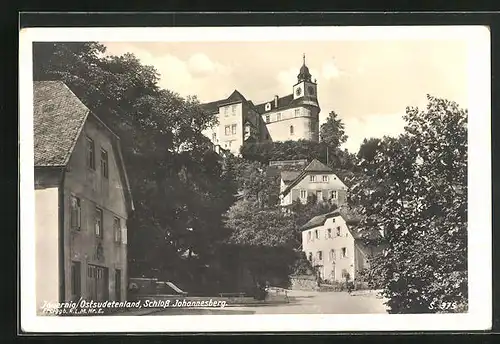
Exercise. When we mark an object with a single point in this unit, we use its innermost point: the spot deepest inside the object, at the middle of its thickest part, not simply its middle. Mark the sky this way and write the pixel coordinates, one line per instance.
(368, 83)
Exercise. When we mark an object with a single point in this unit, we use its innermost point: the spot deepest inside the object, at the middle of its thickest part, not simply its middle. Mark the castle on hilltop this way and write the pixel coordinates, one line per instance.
(292, 117)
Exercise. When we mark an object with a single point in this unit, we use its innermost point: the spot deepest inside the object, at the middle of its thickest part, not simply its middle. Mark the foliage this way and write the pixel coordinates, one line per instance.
(416, 193)
(251, 225)
(178, 184)
(368, 149)
(254, 182)
(332, 132)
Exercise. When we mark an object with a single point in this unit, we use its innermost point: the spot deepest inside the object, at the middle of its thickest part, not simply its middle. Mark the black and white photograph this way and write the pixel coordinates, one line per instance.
(255, 179)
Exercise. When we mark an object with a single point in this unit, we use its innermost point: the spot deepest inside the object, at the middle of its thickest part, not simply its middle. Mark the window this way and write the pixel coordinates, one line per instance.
(297, 112)
(325, 178)
(233, 129)
(76, 280)
(117, 228)
(345, 274)
(76, 213)
(90, 153)
(226, 111)
(333, 194)
(303, 194)
(278, 117)
(233, 109)
(227, 129)
(214, 137)
(329, 232)
(118, 285)
(312, 178)
(310, 256)
(320, 255)
(98, 222)
(338, 231)
(291, 130)
(268, 118)
(319, 195)
(316, 234)
(332, 255)
(343, 252)
(104, 163)
(308, 236)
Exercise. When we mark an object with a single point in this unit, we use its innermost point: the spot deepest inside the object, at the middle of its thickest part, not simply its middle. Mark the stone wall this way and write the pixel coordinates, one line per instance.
(303, 282)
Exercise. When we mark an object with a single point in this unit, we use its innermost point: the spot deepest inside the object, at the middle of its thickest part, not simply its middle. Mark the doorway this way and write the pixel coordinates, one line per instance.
(97, 283)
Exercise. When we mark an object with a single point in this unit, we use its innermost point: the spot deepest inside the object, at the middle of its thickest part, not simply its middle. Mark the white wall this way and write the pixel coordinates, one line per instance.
(331, 269)
(47, 246)
(280, 122)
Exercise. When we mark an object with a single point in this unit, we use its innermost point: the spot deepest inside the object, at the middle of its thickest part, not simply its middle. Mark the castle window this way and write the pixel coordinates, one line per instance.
(303, 194)
(308, 236)
(278, 117)
(233, 129)
(338, 231)
(332, 255)
(320, 255)
(90, 153)
(312, 178)
(214, 137)
(325, 178)
(310, 256)
(226, 111)
(268, 118)
(329, 232)
(291, 130)
(316, 234)
(233, 109)
(297, 112)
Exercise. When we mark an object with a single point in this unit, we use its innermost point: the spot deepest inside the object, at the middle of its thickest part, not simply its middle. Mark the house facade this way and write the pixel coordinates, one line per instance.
(335, 248)
(316, 179)
(82, 201)
(291, 117)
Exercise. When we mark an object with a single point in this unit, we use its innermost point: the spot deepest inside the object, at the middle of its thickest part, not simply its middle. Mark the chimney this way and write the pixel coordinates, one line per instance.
(276, 101)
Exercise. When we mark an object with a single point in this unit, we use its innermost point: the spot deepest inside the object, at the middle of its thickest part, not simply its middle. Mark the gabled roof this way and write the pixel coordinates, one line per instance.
(351, 220)
(289, 176)
(313, 167)
(235, 97)
(317, 166)
(58, 119)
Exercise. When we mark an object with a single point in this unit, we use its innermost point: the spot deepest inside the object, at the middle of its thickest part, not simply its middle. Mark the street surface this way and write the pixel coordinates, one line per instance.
(301, 302)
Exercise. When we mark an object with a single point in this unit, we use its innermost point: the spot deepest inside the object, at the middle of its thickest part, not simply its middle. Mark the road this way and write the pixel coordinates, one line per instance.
(301, 302)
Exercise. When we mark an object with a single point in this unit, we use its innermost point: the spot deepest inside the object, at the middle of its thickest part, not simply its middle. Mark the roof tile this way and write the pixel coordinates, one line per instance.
(58, 118)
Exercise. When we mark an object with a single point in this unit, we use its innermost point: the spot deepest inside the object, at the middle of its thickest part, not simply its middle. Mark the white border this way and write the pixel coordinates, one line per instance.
(479, 202)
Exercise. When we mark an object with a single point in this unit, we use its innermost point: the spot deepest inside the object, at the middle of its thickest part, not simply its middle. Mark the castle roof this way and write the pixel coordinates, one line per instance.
(234, 98)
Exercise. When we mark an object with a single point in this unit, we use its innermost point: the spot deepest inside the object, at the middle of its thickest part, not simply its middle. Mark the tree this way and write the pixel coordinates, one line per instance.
(368, 149)
(416, 194)
(332, 132)
(252, 225)
(178, 184)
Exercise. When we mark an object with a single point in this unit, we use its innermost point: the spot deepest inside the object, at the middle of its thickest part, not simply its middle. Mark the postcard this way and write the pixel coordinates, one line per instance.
(252, 179)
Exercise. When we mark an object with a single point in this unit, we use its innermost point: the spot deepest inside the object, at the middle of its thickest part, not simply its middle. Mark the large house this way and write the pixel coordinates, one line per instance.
(291, 117)
(82, 201)
(332, 245)
(316, 179)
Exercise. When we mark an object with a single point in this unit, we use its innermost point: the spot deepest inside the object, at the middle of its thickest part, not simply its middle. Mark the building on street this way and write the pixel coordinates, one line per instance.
(332, 244)
(82, 201)
(316, 179)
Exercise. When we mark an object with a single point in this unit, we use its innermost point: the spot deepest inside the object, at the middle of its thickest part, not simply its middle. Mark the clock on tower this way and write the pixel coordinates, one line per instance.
(298, 91)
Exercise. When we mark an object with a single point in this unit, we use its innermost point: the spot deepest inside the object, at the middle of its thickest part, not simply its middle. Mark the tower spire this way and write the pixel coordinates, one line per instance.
(304, 59)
